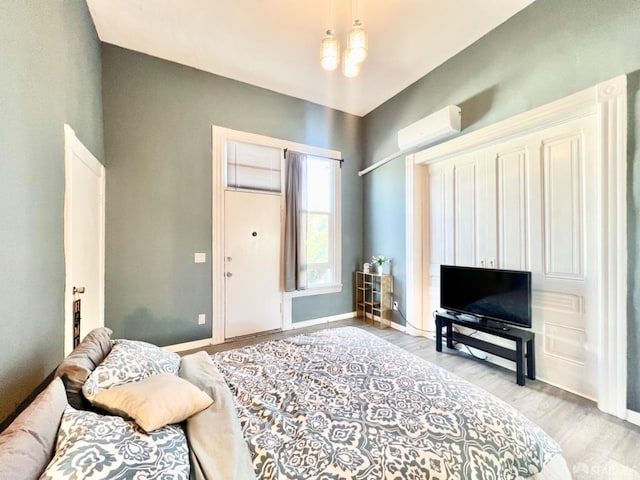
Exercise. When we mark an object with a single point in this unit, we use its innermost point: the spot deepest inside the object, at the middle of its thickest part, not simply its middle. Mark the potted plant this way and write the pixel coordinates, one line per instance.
(378, 261)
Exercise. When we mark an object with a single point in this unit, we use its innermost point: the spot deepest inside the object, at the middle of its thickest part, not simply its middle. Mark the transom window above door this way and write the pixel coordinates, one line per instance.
(253, 167)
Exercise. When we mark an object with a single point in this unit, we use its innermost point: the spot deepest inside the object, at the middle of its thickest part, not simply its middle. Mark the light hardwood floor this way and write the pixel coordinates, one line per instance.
(596, 445)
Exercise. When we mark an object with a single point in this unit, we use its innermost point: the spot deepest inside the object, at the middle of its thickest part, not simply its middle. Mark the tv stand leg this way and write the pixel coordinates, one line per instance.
(438, 334)
(519, 362)
(450, 335)
(531, 359)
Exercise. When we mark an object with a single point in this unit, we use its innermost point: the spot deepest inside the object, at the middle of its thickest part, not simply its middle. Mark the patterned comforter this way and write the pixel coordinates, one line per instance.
(344, 404)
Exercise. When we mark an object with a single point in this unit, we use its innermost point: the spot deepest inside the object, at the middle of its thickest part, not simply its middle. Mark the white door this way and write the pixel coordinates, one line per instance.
(253, 295)
(84, 227)
(566, 276)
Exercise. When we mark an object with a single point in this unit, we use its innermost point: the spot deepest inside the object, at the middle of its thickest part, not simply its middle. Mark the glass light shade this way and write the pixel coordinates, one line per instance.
(330, 52)
(357, 43)
(349, 69)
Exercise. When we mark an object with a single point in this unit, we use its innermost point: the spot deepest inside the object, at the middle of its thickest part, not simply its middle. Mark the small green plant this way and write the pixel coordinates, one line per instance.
(379, 260)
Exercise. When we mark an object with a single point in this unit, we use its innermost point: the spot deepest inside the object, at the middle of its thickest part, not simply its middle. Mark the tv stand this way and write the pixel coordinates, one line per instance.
(524, 342)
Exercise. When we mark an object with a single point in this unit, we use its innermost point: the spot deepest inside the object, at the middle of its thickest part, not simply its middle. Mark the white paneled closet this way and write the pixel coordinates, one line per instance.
(528, 204)
(543, 191)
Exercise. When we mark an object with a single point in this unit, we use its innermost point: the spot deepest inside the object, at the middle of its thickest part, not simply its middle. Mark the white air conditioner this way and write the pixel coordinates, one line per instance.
(436, 126)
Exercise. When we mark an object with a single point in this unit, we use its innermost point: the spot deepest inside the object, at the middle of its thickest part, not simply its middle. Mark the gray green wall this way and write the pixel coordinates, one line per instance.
(50, 74)
(548, 51)
(158, 117)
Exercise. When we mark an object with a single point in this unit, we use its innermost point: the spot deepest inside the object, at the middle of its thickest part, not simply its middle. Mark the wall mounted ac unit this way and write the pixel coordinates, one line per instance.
(436, 126)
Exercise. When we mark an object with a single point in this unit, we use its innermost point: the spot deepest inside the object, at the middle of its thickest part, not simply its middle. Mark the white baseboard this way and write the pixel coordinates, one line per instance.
(319, 321)
(633, 417)
(397, 326)
(181, 347)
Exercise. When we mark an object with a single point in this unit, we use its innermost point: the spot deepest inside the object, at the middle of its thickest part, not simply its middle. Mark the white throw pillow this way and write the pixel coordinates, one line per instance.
(154, 402)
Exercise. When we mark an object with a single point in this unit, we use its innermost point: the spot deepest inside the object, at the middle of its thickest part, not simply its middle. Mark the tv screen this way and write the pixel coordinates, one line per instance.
(499, 295)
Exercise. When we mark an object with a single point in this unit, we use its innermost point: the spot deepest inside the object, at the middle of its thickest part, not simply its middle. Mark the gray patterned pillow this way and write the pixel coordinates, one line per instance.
(93, 446)
(130, 361)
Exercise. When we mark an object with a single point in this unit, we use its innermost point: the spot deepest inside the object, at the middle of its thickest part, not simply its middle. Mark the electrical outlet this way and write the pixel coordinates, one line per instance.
(395, 305)
(202, 318)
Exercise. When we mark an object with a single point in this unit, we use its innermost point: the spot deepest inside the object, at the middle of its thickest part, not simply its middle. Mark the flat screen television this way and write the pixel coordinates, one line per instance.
(502, 296)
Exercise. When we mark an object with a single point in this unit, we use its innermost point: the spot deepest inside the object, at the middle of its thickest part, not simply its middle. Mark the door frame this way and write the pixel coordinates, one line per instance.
(607, 100)
(73, 146)
(219, 136)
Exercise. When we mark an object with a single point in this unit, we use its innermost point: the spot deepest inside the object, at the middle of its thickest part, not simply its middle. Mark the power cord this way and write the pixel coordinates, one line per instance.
(407, 322)
(467, 346)
(433, 315)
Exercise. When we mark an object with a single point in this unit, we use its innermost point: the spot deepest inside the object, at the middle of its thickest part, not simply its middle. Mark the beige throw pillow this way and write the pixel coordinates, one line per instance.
(154, 402)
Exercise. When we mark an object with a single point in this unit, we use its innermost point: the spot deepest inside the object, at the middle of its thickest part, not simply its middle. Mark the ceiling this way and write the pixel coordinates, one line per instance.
(275, 44)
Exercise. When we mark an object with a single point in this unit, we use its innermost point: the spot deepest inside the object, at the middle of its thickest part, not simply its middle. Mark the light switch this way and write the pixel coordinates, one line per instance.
(202, 318)
(200, 258)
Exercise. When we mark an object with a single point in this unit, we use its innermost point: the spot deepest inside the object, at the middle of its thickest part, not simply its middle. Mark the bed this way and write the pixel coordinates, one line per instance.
(345, 404)
(336, 404)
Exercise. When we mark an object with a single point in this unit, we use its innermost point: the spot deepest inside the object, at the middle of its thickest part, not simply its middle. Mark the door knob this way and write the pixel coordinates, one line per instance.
(229, 274)
(78, 290)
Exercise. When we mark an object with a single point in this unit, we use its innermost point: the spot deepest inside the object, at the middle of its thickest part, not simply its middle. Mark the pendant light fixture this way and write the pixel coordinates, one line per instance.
(357, 43)
(357, 46)
(350, 69)
(330, 52)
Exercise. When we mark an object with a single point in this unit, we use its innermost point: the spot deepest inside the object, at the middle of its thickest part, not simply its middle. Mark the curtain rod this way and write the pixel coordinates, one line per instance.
(341, 160)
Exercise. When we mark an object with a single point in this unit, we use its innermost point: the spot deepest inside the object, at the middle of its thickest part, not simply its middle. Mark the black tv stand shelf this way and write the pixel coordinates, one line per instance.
(524, 342)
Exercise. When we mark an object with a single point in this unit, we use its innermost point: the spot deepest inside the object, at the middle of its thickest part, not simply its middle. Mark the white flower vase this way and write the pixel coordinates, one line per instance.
(379, 269)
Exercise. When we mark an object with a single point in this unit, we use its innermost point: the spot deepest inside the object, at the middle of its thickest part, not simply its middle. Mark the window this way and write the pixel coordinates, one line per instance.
(253, 167)
(319, 211)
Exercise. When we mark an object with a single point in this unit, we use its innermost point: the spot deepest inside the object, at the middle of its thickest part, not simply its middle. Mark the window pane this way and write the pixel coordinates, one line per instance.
(317, 277)
(318, 185)
(253, 167)
(317, 238)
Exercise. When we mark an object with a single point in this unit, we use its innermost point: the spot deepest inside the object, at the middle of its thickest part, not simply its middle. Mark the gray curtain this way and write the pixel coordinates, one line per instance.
(295, 271)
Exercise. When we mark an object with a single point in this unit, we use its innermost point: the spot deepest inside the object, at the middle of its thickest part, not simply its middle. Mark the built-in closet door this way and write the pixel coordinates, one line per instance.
(462, 216)
(565, 264)
(524, 204)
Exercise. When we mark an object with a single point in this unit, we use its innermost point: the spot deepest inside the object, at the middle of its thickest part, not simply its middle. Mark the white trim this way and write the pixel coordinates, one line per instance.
(181, 347)
(609, 101)
(320, 321)
(314, 291)
(612, 105)
(247, 137)
(219, 136)
(413, 239)
(217, 235)
(72, 144)
(633, 417)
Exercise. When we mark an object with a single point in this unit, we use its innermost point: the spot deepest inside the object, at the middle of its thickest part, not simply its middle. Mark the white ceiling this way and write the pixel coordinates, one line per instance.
(275, 44)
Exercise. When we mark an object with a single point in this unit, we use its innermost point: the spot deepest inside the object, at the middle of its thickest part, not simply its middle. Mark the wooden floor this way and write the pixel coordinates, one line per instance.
(596, 445)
